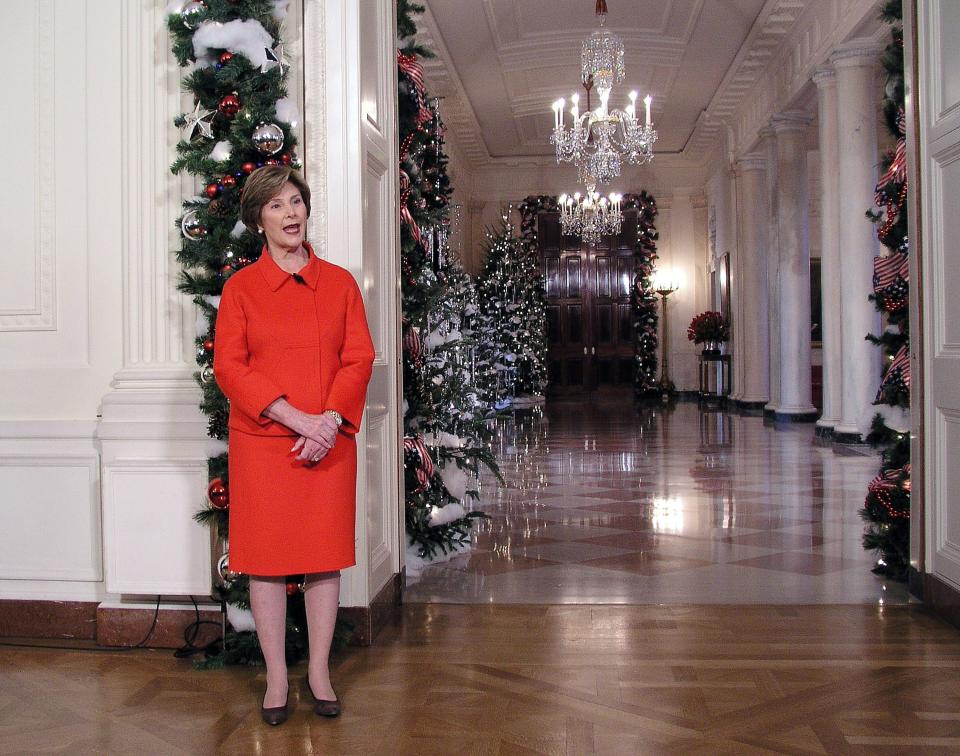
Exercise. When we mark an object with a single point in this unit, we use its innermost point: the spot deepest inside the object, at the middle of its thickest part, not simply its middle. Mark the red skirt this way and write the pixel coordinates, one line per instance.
(287, 518)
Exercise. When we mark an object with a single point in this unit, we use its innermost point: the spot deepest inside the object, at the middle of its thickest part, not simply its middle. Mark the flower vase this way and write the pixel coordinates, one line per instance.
(711, 347)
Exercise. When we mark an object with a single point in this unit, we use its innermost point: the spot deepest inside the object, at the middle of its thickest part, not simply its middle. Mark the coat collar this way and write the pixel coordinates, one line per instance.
(277, 277)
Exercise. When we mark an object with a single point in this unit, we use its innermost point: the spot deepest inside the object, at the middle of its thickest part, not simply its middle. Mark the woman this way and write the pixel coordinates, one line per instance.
(293, 354)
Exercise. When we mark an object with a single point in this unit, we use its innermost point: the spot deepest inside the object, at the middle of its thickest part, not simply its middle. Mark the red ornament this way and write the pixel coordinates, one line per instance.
(229, 106)
(271, 161)
(208, 345)
(285, 158)
(229, 181)
(225, 58)
(248, 167)
(213, 190)
(292, 588)
(217, 494)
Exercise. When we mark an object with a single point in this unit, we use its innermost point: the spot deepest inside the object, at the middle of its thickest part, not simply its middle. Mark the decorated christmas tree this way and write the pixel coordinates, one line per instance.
(887, 506)
(513, 311)
(241, 119)
(446, 434)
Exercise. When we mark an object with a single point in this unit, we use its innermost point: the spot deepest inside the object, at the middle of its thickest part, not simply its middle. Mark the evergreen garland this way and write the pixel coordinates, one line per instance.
(886, 509)
(513, 310)
(446, 434)
(643, 299)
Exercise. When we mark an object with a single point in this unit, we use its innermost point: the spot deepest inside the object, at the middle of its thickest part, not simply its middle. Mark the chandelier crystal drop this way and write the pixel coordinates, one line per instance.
(590, 216)
(600, 140)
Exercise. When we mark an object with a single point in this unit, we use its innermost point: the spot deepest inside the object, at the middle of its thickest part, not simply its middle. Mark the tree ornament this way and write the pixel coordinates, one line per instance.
(217, 494)
(213, 190)
(225, 57)
(229, 105)
(223, 570)
(218, 208)
(294, 588)
(191, 226)
(193, 13)
(285, 158)
(228, 181)
(267, 138)
(208, 345)
(206, 375)
(200, 120)
(248, 168)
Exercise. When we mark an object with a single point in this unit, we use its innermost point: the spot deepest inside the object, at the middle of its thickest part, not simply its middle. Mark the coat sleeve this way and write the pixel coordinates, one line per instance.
(248, 391)
(348, 392)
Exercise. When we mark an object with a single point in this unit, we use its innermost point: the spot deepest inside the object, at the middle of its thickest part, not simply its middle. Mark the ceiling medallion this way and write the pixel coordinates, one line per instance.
(599, 140)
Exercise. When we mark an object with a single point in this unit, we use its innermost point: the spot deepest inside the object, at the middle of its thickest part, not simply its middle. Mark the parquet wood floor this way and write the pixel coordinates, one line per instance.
(477, 679)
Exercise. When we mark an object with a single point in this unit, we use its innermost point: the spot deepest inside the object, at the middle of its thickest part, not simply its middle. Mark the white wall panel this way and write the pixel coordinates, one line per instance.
(51, 513)
(151, 541)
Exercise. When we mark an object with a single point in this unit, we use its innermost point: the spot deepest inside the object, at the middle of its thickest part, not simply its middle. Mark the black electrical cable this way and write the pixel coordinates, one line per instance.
(190, 633)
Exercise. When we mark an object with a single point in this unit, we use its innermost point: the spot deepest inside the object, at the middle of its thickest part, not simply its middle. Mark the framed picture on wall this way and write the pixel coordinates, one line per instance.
(724, 285)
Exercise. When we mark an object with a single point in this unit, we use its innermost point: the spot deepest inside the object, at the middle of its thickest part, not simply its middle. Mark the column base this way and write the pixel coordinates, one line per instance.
(749, 407)
(781, 416)
(847, 437)
(825, 428)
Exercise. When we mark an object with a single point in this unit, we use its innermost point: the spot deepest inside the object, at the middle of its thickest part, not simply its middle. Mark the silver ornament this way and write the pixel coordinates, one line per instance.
(268, 138)
(206, 375)
(223, 570)
(190, 225)
(192, 14)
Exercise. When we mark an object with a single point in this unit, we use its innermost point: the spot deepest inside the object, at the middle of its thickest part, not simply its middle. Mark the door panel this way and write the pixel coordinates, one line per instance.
(589, 321)
(938, 71)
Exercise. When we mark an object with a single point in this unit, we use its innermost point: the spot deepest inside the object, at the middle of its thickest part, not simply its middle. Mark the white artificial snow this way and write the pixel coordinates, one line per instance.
(246, 37)
(287, 112)
(221, 151)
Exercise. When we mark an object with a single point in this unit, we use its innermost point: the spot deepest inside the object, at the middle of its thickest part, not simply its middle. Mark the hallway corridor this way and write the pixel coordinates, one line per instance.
(608, 504)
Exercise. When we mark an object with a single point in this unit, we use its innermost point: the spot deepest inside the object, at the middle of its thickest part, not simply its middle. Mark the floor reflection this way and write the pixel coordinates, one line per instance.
(608, 503)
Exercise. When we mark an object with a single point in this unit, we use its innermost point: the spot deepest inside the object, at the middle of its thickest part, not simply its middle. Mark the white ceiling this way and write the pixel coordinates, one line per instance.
(501, 63)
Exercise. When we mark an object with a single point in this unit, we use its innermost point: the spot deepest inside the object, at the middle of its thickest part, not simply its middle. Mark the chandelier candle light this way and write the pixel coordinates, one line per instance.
(590, 216)
(599, 140)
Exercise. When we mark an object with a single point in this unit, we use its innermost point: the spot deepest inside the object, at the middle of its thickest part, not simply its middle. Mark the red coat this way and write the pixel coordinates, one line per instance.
(308, 342)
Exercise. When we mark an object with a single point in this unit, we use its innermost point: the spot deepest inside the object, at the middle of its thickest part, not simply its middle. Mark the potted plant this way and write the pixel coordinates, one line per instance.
(710, 329)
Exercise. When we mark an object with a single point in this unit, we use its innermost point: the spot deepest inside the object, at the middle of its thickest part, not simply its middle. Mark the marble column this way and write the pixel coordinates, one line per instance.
(857, 98)
(794, 269)
(754, 351)
(830, 291)
(769, 140)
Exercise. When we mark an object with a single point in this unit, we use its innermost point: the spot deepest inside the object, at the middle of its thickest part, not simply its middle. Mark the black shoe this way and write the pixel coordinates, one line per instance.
(275, 715)
(324, 708)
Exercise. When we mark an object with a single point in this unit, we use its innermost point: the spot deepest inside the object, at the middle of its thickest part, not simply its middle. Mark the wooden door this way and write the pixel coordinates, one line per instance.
(589, 323)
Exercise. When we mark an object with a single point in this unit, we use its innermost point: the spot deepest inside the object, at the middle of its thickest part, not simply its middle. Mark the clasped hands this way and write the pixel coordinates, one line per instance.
(318, 435)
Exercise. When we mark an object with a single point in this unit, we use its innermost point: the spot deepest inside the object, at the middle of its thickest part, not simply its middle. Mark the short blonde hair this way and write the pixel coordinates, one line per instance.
(262, 186)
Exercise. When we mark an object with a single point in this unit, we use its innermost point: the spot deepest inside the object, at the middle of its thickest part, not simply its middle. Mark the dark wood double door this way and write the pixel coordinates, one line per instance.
(589, 322)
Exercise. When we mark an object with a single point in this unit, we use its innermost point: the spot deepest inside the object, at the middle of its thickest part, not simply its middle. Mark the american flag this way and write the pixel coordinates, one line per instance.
(886, 270)
(424, 469)
(412, 68)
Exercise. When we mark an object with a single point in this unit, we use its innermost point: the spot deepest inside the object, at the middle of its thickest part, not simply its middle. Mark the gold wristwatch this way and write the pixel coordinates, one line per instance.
(337, 417)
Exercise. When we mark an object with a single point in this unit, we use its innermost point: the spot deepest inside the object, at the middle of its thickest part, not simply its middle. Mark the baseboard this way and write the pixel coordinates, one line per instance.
(943, 598)
(48, 619)
(748, 406)
(847, 438)
(128, 626)
(915, 582)
(368, 621)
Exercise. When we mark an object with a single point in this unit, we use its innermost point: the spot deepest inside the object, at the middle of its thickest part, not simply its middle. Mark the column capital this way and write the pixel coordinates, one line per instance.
(753, 161)
(857, 53)
(790, 121)
(825, 77)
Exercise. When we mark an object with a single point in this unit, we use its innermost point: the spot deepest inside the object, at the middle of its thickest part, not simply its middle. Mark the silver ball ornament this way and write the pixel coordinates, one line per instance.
(206, 375)
(192, 14)
(223, 570)
(191, 226)
(267, 138)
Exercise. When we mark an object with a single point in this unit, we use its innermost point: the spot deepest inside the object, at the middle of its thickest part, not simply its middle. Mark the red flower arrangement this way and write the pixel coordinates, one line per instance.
(708, 326)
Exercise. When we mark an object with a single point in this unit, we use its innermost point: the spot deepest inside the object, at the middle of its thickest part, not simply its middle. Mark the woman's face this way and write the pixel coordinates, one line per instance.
(284, 218)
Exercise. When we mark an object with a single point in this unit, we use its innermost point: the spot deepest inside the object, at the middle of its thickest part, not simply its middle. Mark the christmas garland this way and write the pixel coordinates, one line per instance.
(886, 508)
(643, 299)
(241, 120)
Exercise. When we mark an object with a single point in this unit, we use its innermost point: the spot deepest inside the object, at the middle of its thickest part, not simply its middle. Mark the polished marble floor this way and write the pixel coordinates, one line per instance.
(607, 503)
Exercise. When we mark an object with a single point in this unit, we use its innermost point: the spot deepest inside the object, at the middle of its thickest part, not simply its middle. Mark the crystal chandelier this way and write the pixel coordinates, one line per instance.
(599, 140)
(590, 216)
